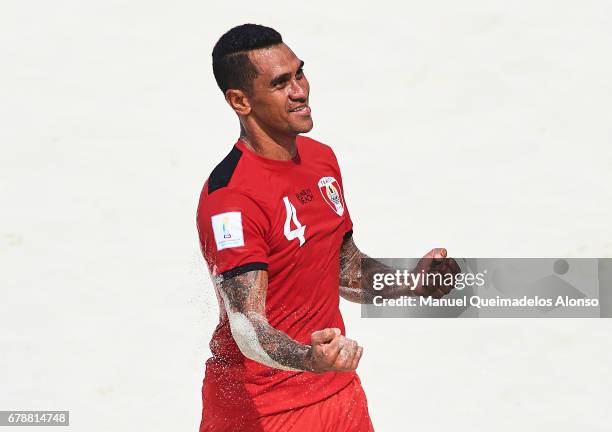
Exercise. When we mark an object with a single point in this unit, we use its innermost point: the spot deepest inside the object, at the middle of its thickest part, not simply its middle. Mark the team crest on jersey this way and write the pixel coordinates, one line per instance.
(330, 189)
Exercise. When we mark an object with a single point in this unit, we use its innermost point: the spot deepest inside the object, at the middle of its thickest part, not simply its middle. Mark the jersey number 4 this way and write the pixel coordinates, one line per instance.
(298, 232)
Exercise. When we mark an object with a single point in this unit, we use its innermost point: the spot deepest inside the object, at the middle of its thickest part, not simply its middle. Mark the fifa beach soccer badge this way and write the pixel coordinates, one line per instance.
(330, 189)
(227, 228)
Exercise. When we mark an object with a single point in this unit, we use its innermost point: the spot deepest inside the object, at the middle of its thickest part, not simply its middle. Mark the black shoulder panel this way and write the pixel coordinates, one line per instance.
(223, 172)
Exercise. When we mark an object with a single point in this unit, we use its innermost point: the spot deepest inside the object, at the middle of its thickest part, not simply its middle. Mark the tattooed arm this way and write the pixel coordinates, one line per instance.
(356, 270)
(244, 299)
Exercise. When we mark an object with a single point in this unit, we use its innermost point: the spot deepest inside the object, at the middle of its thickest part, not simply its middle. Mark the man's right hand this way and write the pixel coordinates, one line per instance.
(330, 351)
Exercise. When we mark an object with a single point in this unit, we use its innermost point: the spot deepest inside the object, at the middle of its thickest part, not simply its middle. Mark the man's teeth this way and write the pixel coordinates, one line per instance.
(298, 109)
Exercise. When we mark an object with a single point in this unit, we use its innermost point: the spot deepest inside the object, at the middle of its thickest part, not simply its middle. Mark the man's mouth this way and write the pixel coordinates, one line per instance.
(304, 109)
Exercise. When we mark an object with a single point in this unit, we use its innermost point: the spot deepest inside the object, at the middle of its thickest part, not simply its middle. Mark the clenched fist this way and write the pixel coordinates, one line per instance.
(435, 261)
(330, 351)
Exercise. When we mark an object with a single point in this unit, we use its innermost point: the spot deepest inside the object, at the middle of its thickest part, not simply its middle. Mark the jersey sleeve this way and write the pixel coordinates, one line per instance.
(232, 229)
(348, 222)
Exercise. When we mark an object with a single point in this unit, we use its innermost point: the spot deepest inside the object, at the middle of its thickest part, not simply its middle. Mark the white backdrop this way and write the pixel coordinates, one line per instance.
(480, 126)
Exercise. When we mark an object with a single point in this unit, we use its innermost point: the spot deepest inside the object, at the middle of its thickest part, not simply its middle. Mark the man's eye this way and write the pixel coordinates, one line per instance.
(299, 73)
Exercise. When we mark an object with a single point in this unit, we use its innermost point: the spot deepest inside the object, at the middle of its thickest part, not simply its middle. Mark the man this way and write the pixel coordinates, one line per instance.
(277, 236)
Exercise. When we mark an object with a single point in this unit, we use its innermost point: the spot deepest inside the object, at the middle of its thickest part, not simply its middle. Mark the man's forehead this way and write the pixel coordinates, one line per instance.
(274, 60)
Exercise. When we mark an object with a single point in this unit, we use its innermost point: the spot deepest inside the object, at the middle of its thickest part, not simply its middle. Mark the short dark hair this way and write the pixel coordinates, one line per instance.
(231, 64)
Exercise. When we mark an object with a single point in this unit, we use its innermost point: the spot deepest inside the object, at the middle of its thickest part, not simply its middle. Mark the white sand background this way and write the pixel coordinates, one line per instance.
(481, 126)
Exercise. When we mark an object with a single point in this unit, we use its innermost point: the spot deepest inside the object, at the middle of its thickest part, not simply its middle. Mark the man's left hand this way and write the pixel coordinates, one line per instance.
(435, 262)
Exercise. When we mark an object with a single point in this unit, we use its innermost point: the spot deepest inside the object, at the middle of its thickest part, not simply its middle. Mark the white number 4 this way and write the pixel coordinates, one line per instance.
(298, 232)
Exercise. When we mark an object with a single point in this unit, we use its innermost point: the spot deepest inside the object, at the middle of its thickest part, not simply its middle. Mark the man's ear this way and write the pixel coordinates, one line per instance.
(238, 101)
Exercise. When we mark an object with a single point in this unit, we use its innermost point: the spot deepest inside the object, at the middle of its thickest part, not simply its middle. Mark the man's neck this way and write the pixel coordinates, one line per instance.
(263, 144)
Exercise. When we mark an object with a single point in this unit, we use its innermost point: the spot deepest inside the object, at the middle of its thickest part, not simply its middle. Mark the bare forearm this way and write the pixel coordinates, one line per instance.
(255, 337)
(365, 293)
(356, 276)
(358, 271)
(280, 347)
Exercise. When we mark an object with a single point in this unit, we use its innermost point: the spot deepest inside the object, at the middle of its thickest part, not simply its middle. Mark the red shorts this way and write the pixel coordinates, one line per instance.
(345, 411)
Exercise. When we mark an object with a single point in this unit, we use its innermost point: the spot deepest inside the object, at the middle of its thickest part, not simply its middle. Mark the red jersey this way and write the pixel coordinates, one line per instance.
(289, 218)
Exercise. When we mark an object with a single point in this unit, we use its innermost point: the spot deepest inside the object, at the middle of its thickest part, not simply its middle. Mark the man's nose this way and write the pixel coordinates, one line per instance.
(298, 90)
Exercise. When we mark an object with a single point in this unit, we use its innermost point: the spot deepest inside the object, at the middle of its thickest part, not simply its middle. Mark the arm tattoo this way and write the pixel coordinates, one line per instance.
(244, 297)
(355, 268)
(351, 273)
